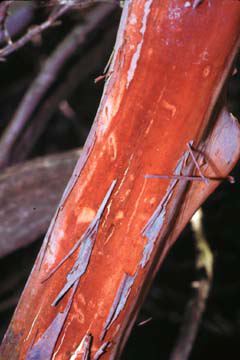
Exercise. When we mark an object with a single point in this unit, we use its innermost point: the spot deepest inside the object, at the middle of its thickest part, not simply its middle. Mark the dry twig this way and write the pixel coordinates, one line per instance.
(47, 76)
(38, 29)
(196, 305)
(4, 7)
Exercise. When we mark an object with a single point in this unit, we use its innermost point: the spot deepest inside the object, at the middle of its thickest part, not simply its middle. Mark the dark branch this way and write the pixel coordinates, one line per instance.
(196, 306)
(29, 194)
(46, 78)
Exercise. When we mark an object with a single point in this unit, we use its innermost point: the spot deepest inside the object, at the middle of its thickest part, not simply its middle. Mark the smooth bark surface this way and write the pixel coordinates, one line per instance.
(115, 225)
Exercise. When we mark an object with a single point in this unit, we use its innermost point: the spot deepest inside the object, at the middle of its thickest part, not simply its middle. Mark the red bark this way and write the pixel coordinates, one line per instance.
(170, 63)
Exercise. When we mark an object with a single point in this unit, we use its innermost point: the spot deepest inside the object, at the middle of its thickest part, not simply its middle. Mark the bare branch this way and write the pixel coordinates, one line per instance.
(29, 193)
(36, 30)
(4, 7)
(47, 76)
(196, 306)
(75, 76)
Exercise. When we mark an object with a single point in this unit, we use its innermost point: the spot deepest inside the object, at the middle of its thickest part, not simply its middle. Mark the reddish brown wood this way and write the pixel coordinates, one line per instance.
(170, 63)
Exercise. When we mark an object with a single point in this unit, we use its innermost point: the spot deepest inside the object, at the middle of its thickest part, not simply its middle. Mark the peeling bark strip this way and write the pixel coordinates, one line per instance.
(119, 301)
(80, 265)
(136, 56)
(196, 3)
(161, 46)
(44, 347)
(152, 229)
(84, 349)
(101, 350)
(87, 243)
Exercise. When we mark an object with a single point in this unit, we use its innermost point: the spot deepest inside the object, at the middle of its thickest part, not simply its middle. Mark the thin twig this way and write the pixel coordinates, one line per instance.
(16, 21)
(4, 7)
(47, 77)
(202, 177)
(189, 178)
(36, 30)
(64, 7)
(144, 322)
(196, 306)
(190, 149)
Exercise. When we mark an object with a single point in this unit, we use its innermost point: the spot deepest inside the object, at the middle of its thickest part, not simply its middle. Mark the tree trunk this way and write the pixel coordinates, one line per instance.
(115, 223)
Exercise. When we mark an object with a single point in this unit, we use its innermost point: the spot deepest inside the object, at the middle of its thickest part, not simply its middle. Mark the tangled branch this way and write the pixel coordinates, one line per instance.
(38, 29)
